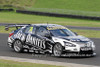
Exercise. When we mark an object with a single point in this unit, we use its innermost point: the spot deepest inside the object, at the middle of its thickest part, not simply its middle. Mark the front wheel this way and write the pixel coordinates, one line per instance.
(18, 47)
(57, 50)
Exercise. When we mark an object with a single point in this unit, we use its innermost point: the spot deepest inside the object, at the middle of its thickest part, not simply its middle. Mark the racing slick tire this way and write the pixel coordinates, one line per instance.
(18, 46)
(57, 50)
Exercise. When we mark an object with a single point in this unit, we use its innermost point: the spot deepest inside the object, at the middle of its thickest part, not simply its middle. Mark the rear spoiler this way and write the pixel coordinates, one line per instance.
(7, 26)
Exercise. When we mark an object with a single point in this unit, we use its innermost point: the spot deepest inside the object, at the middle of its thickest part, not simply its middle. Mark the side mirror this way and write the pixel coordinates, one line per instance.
(47, 35)
(75, 33)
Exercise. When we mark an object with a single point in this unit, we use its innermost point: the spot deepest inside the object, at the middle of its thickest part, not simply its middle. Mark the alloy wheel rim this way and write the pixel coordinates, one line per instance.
(57, 50)
(17, 46)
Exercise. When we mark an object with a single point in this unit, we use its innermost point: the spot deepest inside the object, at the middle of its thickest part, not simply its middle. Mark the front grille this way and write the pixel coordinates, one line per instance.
(86, 52)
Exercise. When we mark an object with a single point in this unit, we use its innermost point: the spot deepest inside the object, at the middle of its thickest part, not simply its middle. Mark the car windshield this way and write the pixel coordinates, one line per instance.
(62, 32)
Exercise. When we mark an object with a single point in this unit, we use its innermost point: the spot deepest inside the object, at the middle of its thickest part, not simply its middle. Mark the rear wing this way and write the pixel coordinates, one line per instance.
(7, 26)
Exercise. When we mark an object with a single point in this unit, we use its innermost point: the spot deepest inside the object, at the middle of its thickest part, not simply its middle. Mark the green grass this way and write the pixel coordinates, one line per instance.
(88, 33)
(77, 7)
(83, 5)
(12, 17)
(8, 63)
(2, 29)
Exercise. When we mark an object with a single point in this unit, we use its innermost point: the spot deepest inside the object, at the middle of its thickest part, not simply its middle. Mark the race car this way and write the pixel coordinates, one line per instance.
(49, 38)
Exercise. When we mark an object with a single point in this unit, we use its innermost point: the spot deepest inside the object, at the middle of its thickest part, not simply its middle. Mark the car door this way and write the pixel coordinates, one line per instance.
(41, 33)
(32, 39)
(30, 34)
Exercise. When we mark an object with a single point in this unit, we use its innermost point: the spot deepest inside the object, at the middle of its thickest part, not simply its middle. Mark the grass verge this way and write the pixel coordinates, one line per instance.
(87, 33)
(12, 17)
(8, 63)
(73, 7)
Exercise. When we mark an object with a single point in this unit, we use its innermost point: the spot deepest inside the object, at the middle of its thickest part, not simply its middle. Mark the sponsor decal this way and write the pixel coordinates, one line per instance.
(35, 41)
(20, 35)
(30, 39)
(54, 28)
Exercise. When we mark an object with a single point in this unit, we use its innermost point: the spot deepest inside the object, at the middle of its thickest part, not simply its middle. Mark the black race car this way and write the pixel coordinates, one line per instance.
(51, 38)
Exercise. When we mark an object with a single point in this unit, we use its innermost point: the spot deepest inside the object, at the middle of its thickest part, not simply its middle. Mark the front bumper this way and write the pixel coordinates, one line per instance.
(81, 51)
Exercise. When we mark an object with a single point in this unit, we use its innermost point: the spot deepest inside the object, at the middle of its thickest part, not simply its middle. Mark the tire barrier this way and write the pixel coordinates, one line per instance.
(53, 14)
(57, 15)
(6, 9)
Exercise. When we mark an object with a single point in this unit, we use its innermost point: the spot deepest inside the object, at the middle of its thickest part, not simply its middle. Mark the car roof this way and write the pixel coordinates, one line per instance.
(47, 25)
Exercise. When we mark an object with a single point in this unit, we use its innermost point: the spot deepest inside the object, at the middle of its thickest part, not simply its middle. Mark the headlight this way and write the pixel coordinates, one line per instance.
(69, 44)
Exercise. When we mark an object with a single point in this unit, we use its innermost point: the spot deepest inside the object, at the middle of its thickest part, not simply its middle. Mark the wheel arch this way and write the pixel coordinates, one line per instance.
(63, 47)
(14, 42)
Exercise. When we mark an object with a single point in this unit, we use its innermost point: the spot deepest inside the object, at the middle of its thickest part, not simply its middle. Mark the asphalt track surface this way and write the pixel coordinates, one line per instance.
(6, 51)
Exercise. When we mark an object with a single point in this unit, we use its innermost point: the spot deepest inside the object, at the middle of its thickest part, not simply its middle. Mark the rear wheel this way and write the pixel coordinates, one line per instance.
(57, 50)
(18, 47)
